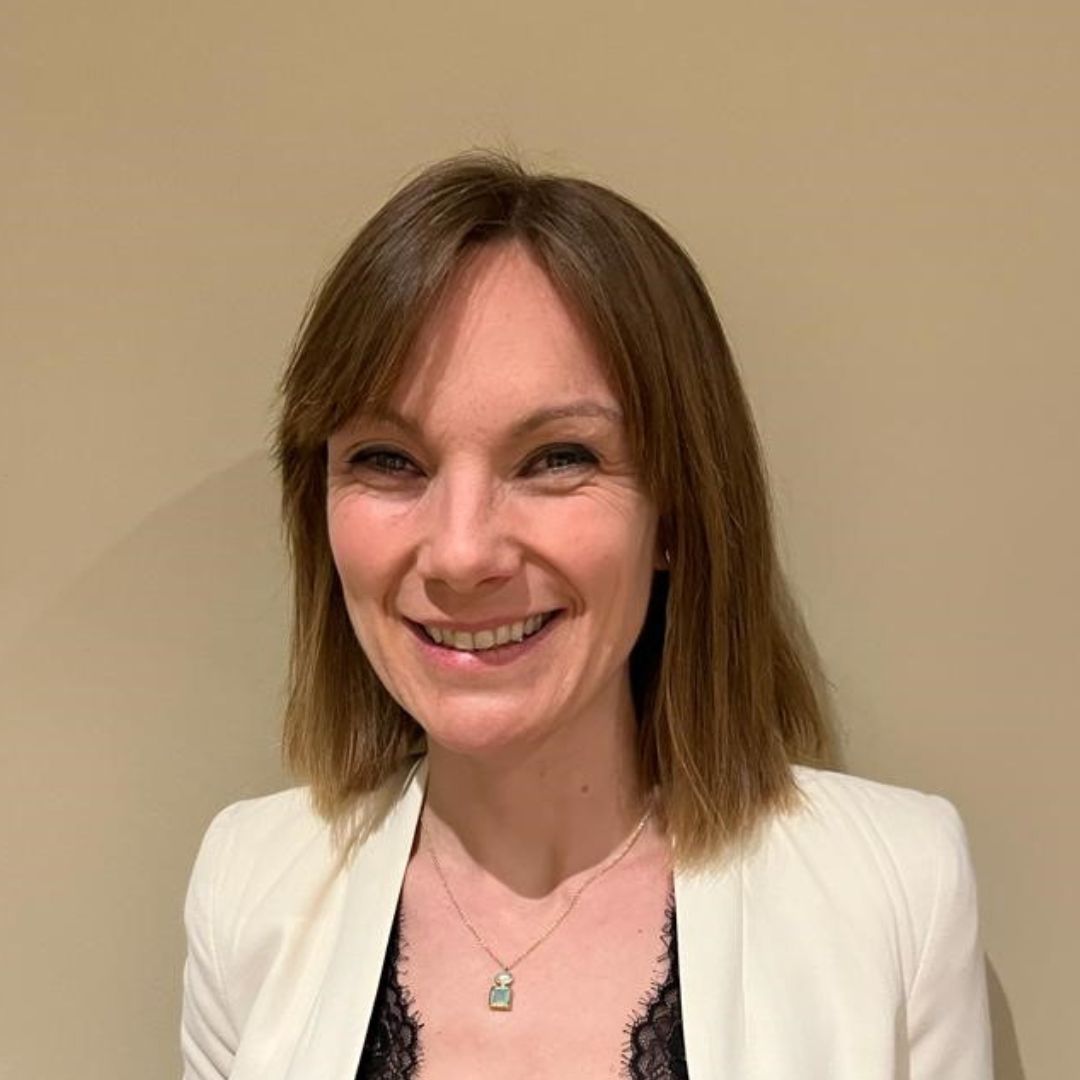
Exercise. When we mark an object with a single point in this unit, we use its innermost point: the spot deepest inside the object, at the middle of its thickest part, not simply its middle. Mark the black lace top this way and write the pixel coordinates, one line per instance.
(653, 1049)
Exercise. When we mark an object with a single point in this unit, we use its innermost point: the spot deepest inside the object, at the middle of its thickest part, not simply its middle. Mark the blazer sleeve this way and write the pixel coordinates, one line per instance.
(948, 1015)
(207, 1032)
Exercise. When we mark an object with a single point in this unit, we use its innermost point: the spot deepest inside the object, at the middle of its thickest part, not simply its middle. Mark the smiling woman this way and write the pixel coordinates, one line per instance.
(560, 755)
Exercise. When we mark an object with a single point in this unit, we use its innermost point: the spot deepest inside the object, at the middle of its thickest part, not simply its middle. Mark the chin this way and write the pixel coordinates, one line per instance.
(480, 735)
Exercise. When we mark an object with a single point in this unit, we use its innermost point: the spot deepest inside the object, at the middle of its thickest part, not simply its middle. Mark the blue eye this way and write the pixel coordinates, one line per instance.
(388, 462)
(563, 459)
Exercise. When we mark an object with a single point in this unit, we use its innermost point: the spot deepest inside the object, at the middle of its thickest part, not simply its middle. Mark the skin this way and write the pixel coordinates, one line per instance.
(459, 519)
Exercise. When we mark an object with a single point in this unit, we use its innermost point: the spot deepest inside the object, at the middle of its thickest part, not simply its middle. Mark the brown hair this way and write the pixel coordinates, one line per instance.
(725, 697)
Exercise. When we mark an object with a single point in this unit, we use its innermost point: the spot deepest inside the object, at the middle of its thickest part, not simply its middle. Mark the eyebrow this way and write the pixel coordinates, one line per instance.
(585, 408)
(591, 410)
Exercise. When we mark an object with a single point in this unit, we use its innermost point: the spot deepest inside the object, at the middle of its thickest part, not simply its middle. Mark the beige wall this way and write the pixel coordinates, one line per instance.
(883, 197)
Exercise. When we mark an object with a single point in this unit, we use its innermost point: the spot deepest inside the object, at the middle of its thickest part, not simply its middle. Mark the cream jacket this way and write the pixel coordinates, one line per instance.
(842, 946)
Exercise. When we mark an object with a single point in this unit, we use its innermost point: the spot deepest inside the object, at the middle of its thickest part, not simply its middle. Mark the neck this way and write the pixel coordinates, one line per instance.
(533, 816)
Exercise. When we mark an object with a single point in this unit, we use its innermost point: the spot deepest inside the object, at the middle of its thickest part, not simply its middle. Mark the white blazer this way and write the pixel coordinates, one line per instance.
(842, 946)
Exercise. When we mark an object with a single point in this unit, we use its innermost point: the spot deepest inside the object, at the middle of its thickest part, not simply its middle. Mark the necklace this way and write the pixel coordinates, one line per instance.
(500, 994)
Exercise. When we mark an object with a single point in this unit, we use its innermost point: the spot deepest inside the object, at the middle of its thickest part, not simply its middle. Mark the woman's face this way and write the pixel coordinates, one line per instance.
(497, 492)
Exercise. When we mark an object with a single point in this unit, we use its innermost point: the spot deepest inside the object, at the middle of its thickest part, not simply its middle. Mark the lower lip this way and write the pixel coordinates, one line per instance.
(500, 656)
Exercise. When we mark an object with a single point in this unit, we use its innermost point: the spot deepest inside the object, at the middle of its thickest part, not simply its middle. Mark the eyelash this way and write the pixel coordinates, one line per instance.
(367, 458)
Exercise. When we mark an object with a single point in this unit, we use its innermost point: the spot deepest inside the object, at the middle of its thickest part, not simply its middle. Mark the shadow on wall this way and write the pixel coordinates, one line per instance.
(1007, 1064)
(144, 699)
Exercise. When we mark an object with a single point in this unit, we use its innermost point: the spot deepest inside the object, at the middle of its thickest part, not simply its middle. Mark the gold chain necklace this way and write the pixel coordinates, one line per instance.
(500, 996)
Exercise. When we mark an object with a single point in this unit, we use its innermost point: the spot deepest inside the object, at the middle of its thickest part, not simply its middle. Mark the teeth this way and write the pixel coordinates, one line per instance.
(485, 639)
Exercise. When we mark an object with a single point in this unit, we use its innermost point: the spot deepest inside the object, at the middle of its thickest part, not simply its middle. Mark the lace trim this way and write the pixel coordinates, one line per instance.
(392, 1048)
(655, 1049)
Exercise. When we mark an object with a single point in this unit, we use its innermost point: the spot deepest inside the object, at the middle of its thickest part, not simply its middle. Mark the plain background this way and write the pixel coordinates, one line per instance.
(883, 198)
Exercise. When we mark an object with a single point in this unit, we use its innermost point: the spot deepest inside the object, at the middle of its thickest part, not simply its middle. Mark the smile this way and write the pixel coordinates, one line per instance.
(489, 638)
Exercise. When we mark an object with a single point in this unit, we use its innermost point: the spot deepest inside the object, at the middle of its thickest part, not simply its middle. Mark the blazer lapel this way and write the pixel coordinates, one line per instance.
(709, 914)
(333, 1040)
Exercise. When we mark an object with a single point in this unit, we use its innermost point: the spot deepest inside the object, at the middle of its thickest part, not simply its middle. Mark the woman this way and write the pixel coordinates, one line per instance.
(559, 814)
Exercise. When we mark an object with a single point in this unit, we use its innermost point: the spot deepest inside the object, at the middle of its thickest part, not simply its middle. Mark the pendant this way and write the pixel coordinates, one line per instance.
(500, 996)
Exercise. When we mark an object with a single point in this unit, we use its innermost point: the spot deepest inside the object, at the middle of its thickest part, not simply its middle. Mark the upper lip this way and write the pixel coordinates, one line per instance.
(482, 624)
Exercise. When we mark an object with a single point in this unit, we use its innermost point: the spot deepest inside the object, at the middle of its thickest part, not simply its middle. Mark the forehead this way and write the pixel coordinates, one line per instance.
(501, 342)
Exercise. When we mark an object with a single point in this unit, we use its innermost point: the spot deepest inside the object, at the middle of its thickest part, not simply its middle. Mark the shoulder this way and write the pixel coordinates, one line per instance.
(256, 836)
(873, 811)
(270, 881)
(904, 838)
(271, 827)
(277, 855)
(272, 851)
(859, 905)
(243, 869)
(884, 863)
(895, 871)
(267, 879)
(912, 836)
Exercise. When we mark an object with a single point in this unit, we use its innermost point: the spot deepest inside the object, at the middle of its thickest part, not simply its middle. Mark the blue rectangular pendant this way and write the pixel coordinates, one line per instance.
(500, 996)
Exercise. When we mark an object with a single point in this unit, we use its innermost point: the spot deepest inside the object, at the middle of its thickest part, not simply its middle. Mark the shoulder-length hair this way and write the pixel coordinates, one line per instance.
(725, 696)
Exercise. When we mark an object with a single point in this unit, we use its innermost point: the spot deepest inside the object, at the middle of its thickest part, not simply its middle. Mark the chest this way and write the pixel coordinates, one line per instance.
(597, 997)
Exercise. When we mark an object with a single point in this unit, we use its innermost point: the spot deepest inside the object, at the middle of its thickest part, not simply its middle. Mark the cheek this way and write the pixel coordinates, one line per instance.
(610, 555)
(362, 560)
(359, 551)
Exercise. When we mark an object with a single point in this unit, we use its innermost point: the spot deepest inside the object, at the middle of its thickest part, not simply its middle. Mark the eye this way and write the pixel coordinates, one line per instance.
(567, 458)
(381, 460)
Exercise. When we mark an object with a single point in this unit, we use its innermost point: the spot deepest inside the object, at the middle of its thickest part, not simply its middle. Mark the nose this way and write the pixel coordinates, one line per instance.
(466, 541)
